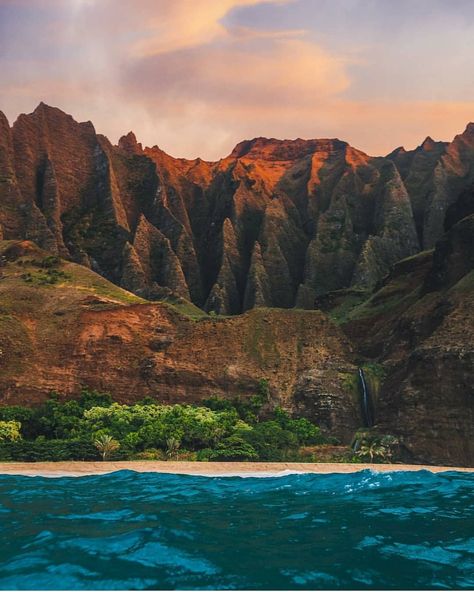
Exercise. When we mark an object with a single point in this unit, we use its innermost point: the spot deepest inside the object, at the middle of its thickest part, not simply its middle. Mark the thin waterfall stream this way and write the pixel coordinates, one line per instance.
(367, 405)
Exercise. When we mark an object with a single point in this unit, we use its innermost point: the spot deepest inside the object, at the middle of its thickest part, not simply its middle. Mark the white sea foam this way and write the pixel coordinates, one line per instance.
(244, 474)
(259, 474)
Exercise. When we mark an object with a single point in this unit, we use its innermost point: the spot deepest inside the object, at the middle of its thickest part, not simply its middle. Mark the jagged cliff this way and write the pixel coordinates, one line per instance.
(384, 246)
(435, 174)
(419, 326)
(276, 223)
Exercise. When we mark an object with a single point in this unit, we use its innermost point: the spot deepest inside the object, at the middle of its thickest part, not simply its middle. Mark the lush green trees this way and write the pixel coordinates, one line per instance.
(56, 418)
(151, 426)
(305, 431)
(16, 413)
(47, 450)
(233, 448)
(270, 440)
(238, 429)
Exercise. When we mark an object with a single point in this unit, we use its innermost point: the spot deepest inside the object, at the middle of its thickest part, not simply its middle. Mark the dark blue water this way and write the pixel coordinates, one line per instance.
(149, 531)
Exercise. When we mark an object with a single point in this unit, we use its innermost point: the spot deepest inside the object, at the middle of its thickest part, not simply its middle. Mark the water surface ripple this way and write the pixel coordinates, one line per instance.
(126, 530)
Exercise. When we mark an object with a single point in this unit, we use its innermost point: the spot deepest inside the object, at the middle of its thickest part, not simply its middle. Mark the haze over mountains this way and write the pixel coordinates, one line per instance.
(276, 223)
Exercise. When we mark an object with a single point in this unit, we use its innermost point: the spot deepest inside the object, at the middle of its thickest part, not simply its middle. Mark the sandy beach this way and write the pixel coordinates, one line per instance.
(262, 469)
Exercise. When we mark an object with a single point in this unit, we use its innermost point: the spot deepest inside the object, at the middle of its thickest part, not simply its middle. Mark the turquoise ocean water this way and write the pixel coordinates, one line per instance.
(136, 531)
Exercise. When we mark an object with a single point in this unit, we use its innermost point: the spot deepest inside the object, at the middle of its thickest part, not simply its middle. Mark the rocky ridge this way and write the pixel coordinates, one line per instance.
(276, 223)
(384, 246)
(419, 327)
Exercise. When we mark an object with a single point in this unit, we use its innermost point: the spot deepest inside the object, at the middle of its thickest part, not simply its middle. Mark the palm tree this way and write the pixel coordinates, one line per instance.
(172, 445)
(105, 444)
(372, 450)
(391, 444)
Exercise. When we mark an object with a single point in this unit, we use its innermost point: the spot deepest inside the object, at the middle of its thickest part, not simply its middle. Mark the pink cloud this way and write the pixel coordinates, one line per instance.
(180, 24)
(178, 74)
(284, 72)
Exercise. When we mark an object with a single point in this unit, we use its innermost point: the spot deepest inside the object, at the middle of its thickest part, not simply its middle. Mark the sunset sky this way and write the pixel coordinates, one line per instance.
(198, 76)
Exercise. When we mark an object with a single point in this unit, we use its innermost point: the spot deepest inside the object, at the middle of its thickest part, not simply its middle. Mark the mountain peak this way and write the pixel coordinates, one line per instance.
(400, 151)
(272, 149)
(428, 144)
(3, 119)
(55, 117)
(129, 144)
(469, 129)
(44, 108)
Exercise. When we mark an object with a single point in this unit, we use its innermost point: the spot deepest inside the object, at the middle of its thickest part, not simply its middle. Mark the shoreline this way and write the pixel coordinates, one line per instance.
(209, 469)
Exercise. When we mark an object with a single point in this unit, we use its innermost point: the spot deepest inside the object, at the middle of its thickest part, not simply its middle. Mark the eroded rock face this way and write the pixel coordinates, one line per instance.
(89, 332)
(317, 396)
(429, 402)
(435, 174)
(276, 223)
(419, 325)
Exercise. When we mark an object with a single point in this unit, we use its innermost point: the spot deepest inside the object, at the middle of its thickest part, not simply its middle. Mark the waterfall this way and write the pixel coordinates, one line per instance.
(367, 407)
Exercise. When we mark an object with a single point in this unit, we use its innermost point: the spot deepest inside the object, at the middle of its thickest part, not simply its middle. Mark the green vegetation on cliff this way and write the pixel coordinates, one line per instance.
(219, 430)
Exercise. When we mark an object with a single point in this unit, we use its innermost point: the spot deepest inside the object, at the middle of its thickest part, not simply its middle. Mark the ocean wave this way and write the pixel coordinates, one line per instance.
(364, 530)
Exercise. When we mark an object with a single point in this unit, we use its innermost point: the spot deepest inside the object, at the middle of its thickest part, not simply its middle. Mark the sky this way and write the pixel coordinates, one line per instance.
(195, 77)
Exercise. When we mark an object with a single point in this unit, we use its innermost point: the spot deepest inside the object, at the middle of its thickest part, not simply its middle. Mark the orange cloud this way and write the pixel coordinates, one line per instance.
(179, 75)
(183, 24)
(289, 73)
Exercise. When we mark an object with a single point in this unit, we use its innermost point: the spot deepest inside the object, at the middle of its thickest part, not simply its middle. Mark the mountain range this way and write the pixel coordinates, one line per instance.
(373, 257)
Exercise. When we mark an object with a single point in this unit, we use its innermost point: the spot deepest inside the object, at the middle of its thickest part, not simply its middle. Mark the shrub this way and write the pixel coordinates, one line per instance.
(150, 454)
(233, 448)
(371, 446)
(43, 278)
(247, 408)
(270, 440)
(186, 455)
(92, 398)
(47, 450)
(15, 413)
(216, 403)
(305, 431)
(203, 455)
(10, 431)
(50, 261)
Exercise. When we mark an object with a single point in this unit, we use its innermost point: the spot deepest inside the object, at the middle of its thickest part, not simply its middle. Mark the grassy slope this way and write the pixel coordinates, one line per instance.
(25, 290)
(73, 284)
